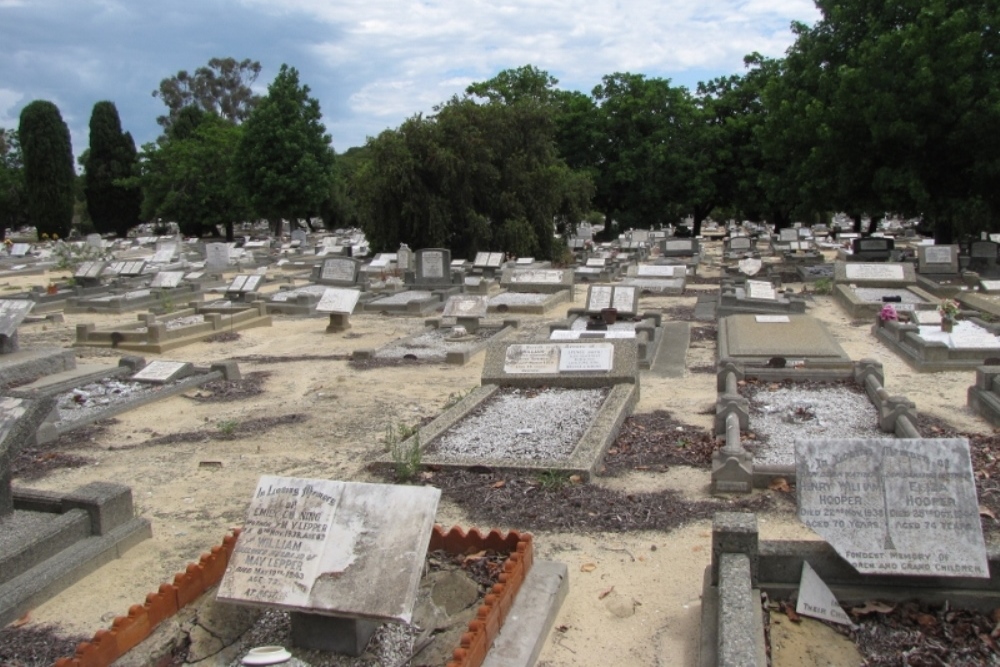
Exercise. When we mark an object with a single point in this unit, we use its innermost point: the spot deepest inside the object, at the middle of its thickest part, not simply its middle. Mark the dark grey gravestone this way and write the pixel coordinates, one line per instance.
(19, 419)
(894, 506)
(433, 266)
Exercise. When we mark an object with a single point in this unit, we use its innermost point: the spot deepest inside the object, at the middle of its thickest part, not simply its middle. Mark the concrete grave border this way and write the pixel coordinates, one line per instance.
(743, 567)
(548, 303)
(458, 357)
(860, 309)
(648, 334)
(930, 356)
(156, 298)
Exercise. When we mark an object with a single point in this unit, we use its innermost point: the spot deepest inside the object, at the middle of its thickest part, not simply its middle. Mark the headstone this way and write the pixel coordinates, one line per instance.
(983, 250)
(537, 276)
(95, 241)
(433, 266)
(740, 244)
(661, 271)
(937, 259)
(164, 255)
(216, 256)
(341, 549)
(336, 300)
(624, 298)
(20, 249)
(404, 258)
(894, 506)
(159, 372)
(788, 234)
(760, 289)
(873, 272)
(167, 279)
(750, 266)
(816, 600)
(134, 268)
(89, 270)
(466, 305)
(339, 270)
(299, 235)
(244, 283)
(532, 359)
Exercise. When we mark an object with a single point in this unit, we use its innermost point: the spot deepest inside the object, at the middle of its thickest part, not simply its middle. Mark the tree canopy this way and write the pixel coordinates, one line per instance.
(284, 158)
(13, 198)
(48, 167)
(223, 87)
(112, 200)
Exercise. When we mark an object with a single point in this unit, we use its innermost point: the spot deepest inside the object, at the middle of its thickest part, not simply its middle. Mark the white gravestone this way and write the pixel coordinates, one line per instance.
(858, 271)
(167, 279)
(532, 360)
(340, 270)
(761, 289)
(432, 264)
(338, 300)
(816, 600)
(466, 305)
(596, 357)
(160, 371)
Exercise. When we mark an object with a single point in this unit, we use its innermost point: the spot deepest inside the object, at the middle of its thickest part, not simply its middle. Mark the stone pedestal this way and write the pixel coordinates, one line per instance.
(339, 322)
(471, 324)
(346, 636)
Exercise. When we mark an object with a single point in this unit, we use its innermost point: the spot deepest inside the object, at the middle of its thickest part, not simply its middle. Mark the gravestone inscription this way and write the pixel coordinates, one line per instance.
(894, 506)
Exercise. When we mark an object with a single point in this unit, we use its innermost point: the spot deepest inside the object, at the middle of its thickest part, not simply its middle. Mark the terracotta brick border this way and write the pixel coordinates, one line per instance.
(129, 631)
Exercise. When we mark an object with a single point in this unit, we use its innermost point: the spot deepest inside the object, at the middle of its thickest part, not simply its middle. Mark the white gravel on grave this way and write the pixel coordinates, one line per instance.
(96, 397)
(176, 323)
(965, 335)
(523, 424)
(781, 416)
(518, 299)
(402, 298)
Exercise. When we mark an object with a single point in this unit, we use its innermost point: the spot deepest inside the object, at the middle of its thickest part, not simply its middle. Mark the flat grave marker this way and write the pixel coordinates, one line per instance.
(761, 289)
(661, 271)
(159, 372)
(20, 249)
(772, 319)
(167, 279)
(531, 359)
(89, 270)
(894, 506)
(336, 300)
(621, 297)
(325, 547)
(553, 276)
(859, 271)
(244, 283)
(595, 357)
(466, 305)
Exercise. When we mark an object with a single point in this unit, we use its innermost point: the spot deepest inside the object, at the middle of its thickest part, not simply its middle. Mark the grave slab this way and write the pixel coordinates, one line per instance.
(743, 338)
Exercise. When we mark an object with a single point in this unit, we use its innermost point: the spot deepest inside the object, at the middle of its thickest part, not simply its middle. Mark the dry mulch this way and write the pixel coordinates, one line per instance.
(551, 501)
(679, 314)
(702, 333)
(223, 337)
(655, 441)
(37, 461)
(225, 391)
(267, 359)
(224, 431)
(35, 645)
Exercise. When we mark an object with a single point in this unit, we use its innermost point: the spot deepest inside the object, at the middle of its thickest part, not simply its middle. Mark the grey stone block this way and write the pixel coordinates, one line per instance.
(737, 626)
(346, 636)
(108, 504)
(734, 532)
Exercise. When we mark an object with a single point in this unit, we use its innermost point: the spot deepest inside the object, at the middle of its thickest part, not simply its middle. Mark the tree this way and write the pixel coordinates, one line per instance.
(191, 180)
(112, 159)
(222, 88)
(284, 158)
(13, 199)
(48, 167)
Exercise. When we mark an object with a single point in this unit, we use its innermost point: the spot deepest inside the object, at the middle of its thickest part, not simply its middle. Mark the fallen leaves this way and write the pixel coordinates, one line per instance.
(779, 484)
(605, 593)
(873, 607)
(588, 567)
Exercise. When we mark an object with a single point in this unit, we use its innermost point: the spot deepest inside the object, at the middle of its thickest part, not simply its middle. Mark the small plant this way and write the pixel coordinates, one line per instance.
(167, 302)
(888, 313)
(552, 480)
(823, 286)
(227, 427)
(455, 397)
(403, 444)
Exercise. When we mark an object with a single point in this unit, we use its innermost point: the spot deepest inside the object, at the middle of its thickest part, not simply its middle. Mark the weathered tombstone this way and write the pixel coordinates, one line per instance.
(433, 266)
(467, 309)
(89, 272)
(12, 313)
(95, 241)
(661, 271)
(788, 234)
(623, 298)
(404, 258)
(674, 247)
(161, 372)
(338, 271)
(20, 249)
(216, 256)
(817, 600)
(894, 506)
(340, 556)
(872, 249)
(244, 284)
(760, 289)
(750, 266)
(339, 303)
(739, 244)
(19, 419)
(134, 268)
(299, 236)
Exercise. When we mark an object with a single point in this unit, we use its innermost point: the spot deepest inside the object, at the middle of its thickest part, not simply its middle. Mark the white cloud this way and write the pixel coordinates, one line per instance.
(8, 102)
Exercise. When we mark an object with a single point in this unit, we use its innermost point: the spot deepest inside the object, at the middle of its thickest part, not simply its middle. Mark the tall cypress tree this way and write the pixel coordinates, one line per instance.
(48, 167)
(112, 156)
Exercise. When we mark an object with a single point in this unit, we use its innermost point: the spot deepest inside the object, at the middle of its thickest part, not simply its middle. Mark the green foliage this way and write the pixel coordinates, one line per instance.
(69, 256)
(113, 198)
(223, 88)
(403, 445)
(552, 480)
(191, 180)
(456, 397)
(48, 167)
(473, 176)
(284, 157)
(227, 427)
(13, 196)
(823, 286)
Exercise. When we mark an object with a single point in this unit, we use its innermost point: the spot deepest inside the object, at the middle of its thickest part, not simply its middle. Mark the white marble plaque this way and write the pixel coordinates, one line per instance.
(660, 271)
(341, 270)
(167, 279)
(938, 254)
(466, 305)
(319, 545)
(12, 313)
(788, 234)
(160, 371)
(89, 270)
(577, 334)
(379, 262)
(524, 261)
(20, 249)
(194, 275)
(859, 271)
(164, 256)
(531, 360)
(432, 264)
(598, 357)
(750, 266)
(678, 245)
(990, 285)
(816, 600)
(494, 260)
(547, 276)
(599, 297)
(480, 259)
(761, 289)
(216, 255)
(338, 300)
(596, 262)
(623, 299)
(772, 319)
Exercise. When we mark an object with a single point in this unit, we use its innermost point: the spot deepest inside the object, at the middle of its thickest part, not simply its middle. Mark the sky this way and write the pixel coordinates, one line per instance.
(371, 64)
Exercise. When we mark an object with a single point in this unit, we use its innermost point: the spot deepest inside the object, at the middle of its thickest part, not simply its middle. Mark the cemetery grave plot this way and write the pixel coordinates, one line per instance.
(527, 302)
(863, 303)
(301, 301)
(436, 344)
(781, 413)
(151, 334)
(409, 302)
(805, 343)
(755, 296)
(926, 347)
(137, 299)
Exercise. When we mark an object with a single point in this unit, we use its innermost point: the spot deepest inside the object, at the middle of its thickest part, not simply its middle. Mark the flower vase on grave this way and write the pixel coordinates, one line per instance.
(609, 315)
(947, 324)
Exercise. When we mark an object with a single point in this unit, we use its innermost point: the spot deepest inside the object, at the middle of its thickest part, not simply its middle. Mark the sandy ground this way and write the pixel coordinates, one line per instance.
(652, 616)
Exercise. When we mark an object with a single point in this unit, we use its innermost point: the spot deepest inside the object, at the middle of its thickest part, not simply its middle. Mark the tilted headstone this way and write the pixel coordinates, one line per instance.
(20, 249)
(245, 283)
(12, 313)
(89, 270)
(342, 549)
(816, 600)
(750, 266)
(338, 300)
(894, 506)
(19, 419)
